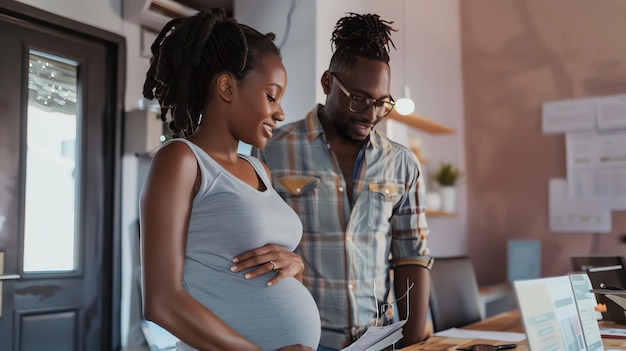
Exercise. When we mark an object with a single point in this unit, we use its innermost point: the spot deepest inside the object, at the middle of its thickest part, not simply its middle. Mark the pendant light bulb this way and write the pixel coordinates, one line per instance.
(405, 105)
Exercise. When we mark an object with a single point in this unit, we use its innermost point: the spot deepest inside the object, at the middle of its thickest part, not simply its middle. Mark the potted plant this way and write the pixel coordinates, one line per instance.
(447, 176)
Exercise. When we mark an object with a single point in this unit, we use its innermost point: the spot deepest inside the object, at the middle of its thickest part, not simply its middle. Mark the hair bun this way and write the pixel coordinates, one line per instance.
(367, 28)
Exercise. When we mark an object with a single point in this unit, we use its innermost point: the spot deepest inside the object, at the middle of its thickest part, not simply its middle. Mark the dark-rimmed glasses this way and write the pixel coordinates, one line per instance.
(359, 103)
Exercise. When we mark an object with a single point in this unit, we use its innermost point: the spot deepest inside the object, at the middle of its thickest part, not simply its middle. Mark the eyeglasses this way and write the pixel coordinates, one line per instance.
(359, 104)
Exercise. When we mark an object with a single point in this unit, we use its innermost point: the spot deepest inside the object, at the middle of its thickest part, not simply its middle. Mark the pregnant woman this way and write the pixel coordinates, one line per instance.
(217, 241)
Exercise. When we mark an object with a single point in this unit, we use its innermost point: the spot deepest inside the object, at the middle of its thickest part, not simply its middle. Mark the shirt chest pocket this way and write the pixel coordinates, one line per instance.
(383, 197)
(296, 185)
(301, 193)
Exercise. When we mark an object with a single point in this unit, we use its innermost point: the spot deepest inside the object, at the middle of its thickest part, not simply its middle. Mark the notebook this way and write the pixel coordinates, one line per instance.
(558, 313)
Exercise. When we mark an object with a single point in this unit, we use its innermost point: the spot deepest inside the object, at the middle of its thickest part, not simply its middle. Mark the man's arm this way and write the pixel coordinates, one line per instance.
(415, 328)
(411, 257)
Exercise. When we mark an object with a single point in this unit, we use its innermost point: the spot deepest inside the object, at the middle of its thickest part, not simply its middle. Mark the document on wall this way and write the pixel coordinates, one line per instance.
(605, 113)
(575, 215)
(596, 168)
(568, 116)
(611, 112)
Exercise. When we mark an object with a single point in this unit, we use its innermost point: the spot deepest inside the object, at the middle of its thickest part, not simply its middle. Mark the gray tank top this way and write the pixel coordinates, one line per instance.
(230, 217)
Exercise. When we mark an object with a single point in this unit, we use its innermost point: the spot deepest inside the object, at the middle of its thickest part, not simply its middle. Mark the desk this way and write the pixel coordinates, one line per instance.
(507, 322)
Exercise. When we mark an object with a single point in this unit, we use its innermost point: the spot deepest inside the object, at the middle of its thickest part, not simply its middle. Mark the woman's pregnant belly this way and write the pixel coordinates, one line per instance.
(271, 317)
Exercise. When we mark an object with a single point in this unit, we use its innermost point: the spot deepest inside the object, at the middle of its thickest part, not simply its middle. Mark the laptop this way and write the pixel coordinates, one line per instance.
(558, 313)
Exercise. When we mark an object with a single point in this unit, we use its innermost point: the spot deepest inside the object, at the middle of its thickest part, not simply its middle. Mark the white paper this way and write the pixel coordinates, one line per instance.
(575, 215)
(568, 116)
(373, 335)
(481, 334)
(596, 168)
(611, 112)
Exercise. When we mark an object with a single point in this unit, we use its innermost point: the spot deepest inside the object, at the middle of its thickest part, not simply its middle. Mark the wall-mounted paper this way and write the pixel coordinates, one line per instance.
(575, 215)
(596, 168)
(568, 116)
(611, 112)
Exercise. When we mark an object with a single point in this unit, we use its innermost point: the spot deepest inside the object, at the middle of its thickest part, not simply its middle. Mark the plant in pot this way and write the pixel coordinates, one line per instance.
(447, 176)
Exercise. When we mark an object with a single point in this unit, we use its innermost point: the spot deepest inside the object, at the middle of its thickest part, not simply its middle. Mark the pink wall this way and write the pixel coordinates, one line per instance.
(516, 55)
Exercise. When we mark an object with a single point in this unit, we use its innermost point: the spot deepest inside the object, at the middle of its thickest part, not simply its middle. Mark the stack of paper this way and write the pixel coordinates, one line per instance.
(378, 338)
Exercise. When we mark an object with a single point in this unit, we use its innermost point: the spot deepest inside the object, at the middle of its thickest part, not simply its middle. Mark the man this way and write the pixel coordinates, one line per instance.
(359, 195)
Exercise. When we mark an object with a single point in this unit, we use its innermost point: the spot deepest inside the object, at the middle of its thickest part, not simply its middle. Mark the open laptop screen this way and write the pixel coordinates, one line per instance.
(557, 313)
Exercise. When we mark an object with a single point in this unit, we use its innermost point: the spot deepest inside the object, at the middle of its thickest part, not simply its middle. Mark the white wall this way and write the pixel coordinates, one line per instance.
(434, 75)
(297, 51)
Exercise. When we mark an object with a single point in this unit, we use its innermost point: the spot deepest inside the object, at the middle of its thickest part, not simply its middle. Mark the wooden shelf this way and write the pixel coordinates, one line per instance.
(421, 123)
(430, 213)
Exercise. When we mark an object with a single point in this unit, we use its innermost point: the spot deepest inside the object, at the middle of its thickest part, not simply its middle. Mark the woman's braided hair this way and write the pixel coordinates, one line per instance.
(365, 36)
(189, 53)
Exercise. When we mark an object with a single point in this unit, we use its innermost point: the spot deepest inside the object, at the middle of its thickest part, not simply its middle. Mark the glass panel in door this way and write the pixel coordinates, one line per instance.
(50, 223)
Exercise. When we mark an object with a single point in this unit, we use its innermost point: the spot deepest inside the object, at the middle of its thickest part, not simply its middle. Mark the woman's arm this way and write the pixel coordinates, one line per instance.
(165, 207)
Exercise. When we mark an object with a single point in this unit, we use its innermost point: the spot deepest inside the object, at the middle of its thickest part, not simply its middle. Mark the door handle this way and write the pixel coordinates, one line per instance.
(10, 277)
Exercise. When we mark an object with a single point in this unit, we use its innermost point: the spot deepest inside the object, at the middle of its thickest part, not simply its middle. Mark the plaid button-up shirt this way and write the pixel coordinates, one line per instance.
(349, 249)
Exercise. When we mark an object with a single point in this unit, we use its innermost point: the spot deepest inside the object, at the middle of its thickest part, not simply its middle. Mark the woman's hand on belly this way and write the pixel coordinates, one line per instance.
(267, 258)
